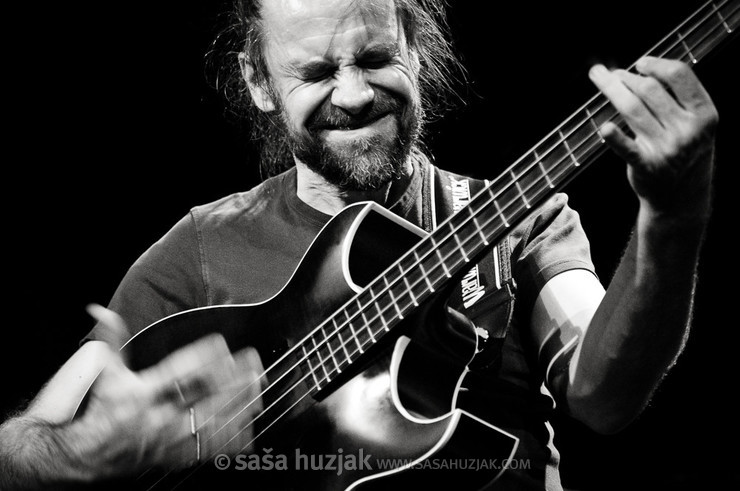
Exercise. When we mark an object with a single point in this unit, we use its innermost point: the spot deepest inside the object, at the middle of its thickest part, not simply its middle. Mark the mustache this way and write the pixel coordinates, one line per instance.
(328, 116)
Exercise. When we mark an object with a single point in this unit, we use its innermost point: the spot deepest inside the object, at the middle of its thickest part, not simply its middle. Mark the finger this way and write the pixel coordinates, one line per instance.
(251, 378)
(243, 374)
(227, 421)
(224, 426)
(623, 145)
(654, 95)
(179, 446)
(114, 331)
(632, 108)
(192, 372)
(681, 79)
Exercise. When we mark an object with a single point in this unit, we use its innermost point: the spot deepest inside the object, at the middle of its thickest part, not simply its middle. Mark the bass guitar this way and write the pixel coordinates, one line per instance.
(363, 305)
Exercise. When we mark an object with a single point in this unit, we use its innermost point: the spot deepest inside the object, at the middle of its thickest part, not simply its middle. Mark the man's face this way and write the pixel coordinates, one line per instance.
(345, 83)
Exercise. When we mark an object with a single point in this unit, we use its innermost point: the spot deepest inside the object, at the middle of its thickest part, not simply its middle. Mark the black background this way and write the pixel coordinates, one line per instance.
(114, 135)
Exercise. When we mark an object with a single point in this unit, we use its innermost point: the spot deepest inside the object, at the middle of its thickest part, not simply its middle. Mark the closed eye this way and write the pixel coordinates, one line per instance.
(377, 56)
(315, 71)
(374, 64)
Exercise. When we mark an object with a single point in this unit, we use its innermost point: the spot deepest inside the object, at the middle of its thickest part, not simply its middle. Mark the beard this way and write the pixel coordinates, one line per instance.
(366, 163)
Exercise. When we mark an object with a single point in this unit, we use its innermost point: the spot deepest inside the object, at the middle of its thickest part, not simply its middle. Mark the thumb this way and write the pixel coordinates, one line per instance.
(112, 327)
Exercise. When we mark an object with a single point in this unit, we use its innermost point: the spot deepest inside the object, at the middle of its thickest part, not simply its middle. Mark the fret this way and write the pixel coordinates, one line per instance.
(519, 188)
(311, 368)
(733, 19)
(411, 294)
(544, 171)
(576, 163)
(408, 287)
(354, 334)
(374, 301)
(317, 350)
(730, 19)
(370, 333)
(477, 227)
(446, 248)
(393, 298)
(344, 347)
(503, 189)
(461, 248)
(709, 28)
(499, 211)
(423, 272)
(436, 247)
(341, 341)
(330, 349)
(408, 284)
(561, 155)
(686, 48)
(524, 171)
(595, 126)
(572, 145)
(442, 262)
(717, 12)
(578, 132)
(367, 323)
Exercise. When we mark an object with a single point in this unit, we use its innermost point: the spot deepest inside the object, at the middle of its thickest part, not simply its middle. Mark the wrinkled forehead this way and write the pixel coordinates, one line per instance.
(327, 28)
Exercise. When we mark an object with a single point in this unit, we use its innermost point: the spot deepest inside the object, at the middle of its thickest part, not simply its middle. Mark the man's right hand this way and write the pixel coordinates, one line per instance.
(134, 420)
(147, 418)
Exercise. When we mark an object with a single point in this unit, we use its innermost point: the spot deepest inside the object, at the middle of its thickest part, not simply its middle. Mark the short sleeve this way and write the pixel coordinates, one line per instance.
(166, 279)
(550, 242)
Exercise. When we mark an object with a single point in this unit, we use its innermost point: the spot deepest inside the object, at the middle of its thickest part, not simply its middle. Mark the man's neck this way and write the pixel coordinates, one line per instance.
(318, 193)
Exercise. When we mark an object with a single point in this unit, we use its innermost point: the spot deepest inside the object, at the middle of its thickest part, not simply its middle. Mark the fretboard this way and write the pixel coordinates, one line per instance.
(462, 239)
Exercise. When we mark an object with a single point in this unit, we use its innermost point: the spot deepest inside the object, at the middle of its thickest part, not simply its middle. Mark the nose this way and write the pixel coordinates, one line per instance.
(352, 91)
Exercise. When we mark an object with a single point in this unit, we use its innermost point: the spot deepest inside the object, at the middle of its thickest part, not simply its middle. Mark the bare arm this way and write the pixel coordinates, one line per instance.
(133, 420)
(631, 337)
(34, 450)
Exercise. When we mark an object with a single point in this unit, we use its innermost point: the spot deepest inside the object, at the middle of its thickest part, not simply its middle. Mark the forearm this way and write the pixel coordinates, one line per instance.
(642, 323)
(35, 455)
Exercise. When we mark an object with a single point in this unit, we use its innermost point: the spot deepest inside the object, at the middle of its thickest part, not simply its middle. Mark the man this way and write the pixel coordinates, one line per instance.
(342, 83)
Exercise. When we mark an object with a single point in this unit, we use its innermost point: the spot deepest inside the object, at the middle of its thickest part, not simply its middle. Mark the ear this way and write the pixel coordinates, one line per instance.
(260, 96)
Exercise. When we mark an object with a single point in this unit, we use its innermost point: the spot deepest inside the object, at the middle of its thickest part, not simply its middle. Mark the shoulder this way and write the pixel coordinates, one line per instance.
(183, 244)
(552, 217)
(242, 205)
(549, 242)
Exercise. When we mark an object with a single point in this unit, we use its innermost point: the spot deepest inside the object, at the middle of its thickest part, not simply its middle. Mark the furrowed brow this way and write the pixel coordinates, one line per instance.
(308, 69)
(389, 49)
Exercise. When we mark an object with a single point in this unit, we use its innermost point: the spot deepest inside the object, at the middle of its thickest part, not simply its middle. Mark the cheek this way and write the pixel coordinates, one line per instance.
(300, 103)
(396, 81)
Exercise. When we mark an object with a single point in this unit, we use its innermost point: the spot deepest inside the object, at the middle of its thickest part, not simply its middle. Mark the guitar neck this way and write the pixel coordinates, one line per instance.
(491, 214)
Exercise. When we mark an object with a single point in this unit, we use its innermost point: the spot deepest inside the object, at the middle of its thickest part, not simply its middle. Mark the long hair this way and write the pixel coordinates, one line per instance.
(425, 26)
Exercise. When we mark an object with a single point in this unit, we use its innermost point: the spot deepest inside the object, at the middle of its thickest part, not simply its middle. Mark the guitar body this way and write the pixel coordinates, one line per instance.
(397, 399)
(398, 402)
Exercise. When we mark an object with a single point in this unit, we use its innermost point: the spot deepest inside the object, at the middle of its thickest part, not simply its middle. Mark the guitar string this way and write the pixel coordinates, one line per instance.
(488, 188)
(339, 349)
(343, 324)
(383, 290)
(599, 145)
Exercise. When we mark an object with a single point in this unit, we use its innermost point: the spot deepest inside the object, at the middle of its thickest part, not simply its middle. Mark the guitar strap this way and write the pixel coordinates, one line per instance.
(485, 294)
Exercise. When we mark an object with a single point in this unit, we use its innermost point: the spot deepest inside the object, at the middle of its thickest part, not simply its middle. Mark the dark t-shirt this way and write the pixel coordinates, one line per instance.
(243, 249)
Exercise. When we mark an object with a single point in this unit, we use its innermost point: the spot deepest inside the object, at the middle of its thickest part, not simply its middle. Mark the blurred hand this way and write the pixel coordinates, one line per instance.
(144, 419)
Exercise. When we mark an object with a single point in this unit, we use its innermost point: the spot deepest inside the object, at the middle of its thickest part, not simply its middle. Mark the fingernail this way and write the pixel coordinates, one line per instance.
(643, 62)
(598, 70)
